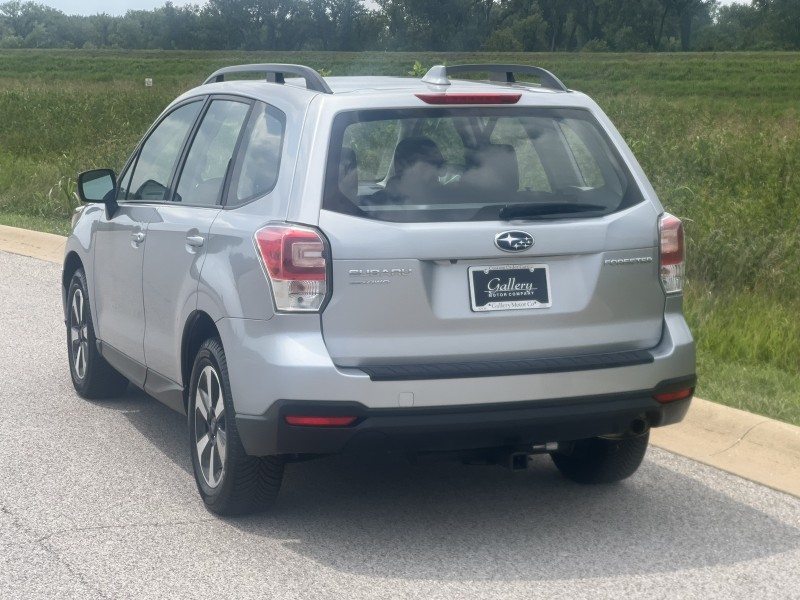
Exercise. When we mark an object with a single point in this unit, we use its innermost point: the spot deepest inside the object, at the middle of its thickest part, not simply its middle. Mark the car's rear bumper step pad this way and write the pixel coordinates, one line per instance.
(529, 366)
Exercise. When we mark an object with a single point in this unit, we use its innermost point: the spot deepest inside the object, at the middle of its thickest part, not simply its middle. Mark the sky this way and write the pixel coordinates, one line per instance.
(120, 7)
(111, 7)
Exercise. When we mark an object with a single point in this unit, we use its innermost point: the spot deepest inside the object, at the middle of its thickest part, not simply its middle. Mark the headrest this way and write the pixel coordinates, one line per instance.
(416, 149)
(348, 173)
(493, 166)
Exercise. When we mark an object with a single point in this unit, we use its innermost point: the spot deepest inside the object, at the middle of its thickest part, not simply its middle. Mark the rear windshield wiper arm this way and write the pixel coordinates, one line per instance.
(545, 210)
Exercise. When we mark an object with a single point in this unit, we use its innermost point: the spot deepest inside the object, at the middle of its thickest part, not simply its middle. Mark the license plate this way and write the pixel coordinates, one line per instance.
(509, 287)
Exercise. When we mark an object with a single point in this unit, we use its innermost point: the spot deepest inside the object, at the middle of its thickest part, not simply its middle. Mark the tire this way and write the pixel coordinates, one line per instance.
(92, 376)
(229, 481)
(603, 460)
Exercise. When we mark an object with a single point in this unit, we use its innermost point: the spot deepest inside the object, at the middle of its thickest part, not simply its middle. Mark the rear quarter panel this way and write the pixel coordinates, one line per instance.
(232, 282)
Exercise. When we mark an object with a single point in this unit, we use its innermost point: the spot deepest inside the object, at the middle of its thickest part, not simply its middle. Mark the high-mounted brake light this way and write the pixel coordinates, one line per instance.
(320, 421)
(469, 98)
(673, 253)
(294, 259)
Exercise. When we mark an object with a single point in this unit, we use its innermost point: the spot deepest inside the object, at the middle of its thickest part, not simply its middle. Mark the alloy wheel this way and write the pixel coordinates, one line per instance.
(210, 435)
(78, 333)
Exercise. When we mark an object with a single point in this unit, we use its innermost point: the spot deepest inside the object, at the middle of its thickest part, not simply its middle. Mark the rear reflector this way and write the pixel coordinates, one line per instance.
(673, 396)
(673, 253)
(294, 259)
(469, 98)
(320, 421)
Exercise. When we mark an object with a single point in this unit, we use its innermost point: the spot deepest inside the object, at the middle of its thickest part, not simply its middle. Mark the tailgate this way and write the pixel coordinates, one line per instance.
(418, 293)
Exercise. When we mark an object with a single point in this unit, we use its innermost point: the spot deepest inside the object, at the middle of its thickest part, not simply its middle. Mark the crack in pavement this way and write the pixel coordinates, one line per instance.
(738, 441)
(41, 542)
(23, 528)
(125, 526)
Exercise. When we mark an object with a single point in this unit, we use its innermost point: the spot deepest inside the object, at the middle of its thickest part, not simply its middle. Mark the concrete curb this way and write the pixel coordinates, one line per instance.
(44, 246)
(739, 442)
(747, 445)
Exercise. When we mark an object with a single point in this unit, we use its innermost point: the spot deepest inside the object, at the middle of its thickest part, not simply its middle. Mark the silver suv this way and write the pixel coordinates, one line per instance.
(308, 265)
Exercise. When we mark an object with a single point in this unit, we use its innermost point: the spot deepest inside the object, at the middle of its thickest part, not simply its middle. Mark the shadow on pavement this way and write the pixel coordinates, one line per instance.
(162, 426)
(444, 521)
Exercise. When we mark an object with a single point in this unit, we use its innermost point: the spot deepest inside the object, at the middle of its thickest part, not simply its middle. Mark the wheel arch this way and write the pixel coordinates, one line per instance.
(72, 262)
(199, 327)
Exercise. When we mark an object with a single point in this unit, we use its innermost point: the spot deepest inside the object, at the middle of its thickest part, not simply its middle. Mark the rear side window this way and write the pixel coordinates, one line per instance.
(474, 164)
(256, 172)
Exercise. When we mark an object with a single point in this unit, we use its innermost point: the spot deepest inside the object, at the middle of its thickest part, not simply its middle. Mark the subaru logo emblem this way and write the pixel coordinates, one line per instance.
(513, 241)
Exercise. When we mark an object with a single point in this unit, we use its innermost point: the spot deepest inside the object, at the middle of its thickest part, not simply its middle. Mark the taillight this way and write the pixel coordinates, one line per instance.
(469, 98)
(673, 396)
(294, 259)
(673, 253)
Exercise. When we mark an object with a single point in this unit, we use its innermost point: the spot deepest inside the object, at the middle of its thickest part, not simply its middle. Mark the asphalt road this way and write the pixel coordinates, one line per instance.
(97, 500)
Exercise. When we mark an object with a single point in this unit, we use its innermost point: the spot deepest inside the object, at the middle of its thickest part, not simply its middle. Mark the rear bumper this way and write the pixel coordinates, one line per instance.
(440, 429)
(282, 367)
(286, 358)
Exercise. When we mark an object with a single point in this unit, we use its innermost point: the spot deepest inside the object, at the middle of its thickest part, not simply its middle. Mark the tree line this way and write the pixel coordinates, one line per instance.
(416, 25)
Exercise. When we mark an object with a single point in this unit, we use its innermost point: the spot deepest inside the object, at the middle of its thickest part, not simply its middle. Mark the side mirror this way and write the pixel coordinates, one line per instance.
(98, 185)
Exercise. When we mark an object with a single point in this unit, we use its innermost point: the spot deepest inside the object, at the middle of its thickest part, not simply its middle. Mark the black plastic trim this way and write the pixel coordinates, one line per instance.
(529, 366)
(165, 391)
(134, 371)
(450, 428)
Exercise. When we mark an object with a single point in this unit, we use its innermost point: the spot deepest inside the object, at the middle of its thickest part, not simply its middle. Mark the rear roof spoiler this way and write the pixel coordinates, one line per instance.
(439, 75)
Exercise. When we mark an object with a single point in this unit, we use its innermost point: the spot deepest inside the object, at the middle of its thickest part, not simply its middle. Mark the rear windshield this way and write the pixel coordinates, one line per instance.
(474, 164)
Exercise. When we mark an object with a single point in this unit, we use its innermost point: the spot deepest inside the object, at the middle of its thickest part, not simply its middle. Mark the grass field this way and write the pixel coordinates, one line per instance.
(718, 135)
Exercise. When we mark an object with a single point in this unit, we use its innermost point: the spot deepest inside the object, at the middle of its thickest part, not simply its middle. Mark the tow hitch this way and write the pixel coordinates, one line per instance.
(517, 460)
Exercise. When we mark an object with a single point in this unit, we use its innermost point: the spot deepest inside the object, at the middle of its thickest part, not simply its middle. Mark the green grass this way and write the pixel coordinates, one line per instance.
(717, 134)
(760, 389)
(57, 225)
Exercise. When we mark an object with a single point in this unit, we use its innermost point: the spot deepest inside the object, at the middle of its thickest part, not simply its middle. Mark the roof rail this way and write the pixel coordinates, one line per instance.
(275, 74)
(438, 75)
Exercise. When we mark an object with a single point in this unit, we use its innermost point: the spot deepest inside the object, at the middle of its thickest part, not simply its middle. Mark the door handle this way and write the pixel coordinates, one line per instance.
(138, 237)
(195, 240)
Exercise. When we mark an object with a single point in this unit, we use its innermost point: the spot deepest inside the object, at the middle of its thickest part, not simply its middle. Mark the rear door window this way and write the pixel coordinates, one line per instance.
(211, 153)
(428, 165)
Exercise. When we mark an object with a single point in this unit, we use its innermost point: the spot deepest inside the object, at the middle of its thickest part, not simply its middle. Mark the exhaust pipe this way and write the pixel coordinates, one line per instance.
(639, 427)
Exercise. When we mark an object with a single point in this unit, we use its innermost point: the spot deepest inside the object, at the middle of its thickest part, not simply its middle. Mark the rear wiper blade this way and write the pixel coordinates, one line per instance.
(545, 210)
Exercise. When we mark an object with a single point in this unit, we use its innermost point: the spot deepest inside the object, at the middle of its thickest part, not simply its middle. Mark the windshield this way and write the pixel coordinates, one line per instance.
(429, 165)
